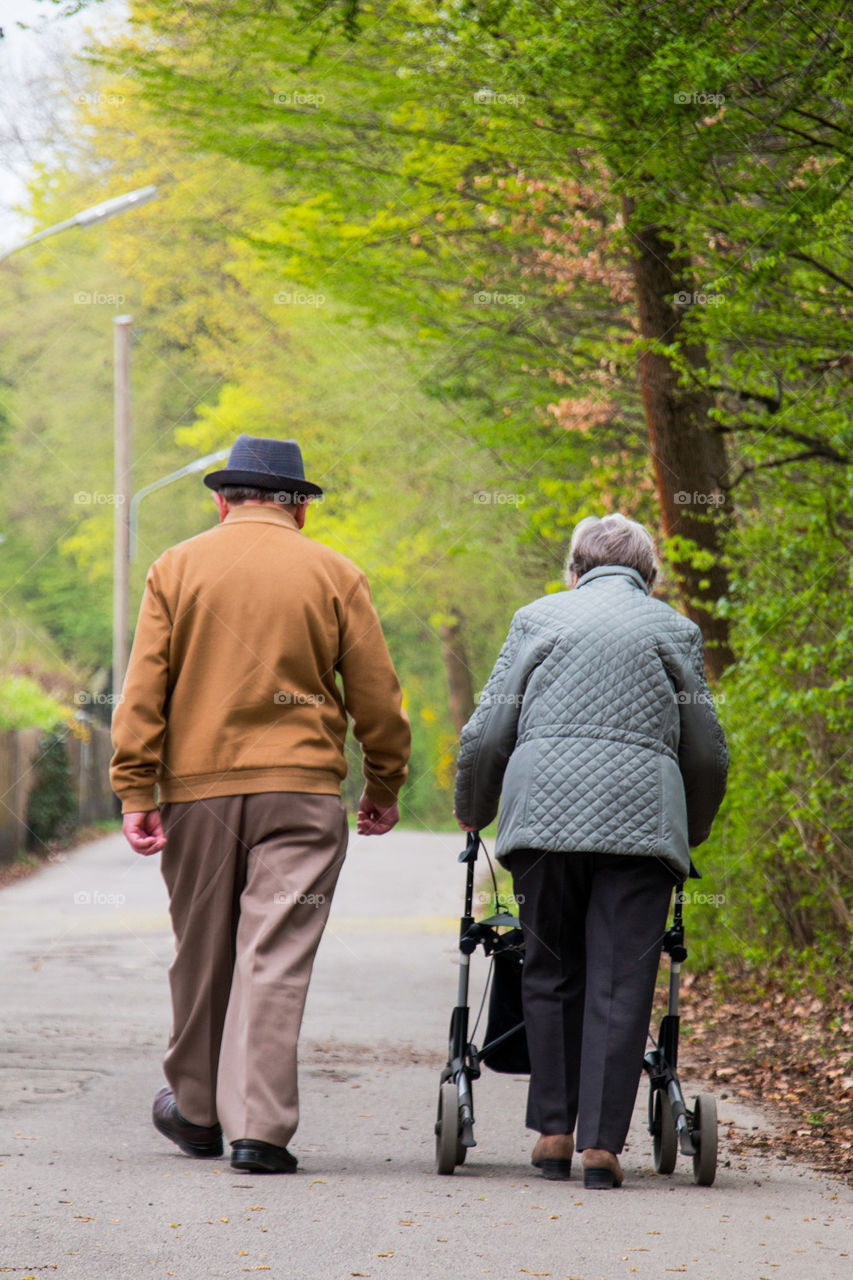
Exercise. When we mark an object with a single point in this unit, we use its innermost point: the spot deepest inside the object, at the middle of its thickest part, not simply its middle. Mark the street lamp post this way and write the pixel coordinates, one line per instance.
(121, 499)
(198, 464)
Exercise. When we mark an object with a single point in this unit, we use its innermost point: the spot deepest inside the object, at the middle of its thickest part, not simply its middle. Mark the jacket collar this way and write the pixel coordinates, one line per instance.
(259, 513)
(613, 570)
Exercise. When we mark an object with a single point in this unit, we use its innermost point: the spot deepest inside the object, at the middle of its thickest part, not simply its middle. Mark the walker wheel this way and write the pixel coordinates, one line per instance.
(663, 1133)
(447, 1142)
(704, 1140)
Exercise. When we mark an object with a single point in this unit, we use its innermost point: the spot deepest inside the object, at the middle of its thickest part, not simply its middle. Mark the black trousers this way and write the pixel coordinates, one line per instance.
(593, 925)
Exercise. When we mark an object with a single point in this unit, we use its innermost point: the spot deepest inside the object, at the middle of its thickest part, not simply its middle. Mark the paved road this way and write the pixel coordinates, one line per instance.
(89, 1190)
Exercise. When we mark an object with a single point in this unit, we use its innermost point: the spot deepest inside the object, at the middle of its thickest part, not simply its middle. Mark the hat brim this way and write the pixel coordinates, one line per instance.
(262, 480)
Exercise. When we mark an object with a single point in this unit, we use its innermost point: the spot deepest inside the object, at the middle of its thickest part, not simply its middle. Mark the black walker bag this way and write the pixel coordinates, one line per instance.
(505, 1013)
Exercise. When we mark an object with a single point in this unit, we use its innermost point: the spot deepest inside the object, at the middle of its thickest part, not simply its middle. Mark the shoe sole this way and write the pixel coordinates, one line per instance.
(256, 1162)
(555, 1169)
(599, 1180)
(251, 1165)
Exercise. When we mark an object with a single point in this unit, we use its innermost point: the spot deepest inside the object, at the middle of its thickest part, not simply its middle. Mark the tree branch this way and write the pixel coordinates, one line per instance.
(827, 271)
(779, 462)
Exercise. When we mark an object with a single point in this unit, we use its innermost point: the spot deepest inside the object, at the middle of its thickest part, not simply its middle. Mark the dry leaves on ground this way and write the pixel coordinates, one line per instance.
(791, 1054)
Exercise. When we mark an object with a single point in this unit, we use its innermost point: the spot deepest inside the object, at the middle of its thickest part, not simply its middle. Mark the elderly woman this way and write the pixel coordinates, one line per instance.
(598, 727)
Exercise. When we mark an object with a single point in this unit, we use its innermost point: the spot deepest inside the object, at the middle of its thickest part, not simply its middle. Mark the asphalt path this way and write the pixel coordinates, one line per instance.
(90, 1190)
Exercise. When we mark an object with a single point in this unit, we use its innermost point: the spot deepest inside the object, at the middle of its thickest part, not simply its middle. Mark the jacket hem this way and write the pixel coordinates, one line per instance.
(248, 782)
(680, 862)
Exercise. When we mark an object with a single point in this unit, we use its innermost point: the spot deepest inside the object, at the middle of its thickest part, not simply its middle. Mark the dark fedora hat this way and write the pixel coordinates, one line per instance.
(264, 464)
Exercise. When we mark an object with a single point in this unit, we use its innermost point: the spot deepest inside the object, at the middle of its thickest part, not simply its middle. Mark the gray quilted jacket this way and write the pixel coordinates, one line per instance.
(598, 727)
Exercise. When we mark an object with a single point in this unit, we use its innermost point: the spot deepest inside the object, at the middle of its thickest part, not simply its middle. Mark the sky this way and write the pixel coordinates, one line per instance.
(50, 39)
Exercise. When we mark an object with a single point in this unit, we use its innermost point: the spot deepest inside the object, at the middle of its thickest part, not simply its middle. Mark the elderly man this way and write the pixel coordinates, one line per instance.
(599, 727)
(233, 709)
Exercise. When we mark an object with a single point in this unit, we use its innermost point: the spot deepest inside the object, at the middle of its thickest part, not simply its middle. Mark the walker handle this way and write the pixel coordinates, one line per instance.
(469, 853)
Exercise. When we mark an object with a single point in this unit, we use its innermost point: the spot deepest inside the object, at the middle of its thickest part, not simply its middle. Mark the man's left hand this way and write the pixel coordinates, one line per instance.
(144, 832)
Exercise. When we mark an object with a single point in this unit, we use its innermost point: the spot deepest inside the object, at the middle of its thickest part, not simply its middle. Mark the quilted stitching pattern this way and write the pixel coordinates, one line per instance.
(594, 675)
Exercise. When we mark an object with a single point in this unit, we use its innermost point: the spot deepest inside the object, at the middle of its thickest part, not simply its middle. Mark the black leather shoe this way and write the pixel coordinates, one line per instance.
(261, 1157)
(193, 1139)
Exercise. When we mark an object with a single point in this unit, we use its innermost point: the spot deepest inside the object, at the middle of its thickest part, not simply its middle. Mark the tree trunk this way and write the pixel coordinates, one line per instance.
(460, 689)
(688, 455)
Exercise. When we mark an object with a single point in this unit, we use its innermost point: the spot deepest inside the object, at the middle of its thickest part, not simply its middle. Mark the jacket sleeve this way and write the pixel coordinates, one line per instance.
(373, 698)
(488, 739)
(702, 753)
(139, 720)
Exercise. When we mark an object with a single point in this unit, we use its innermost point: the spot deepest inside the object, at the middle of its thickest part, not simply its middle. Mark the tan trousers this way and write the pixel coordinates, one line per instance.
(250, 882)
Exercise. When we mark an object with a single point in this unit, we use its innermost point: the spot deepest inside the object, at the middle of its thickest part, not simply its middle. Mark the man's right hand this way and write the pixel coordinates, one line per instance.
(373, 821)
(144, 832)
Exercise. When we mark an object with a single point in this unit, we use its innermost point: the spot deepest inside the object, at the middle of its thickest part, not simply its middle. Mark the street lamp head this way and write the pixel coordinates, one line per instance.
(97, 213)
(118, 204)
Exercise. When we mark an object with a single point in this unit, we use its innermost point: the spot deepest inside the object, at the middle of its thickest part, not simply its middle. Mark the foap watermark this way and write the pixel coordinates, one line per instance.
(91, 498)
(299, 899)
(494, 298)
(501, 699)
(684, 499)
(286, 698)
(698, 299)
(486, 497)
(699, 98)
(699, 698)
(83, 298)
(296, 298)
(97, 898)
(698, 898)
(298, 499)
(499, 899)
(298, 98)
(100, 99)
(84, 698)
(496, 98)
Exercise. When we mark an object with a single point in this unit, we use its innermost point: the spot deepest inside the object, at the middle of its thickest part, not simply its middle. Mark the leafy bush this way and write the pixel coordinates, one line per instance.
(52, 807)
(25, 705)
(781, 855)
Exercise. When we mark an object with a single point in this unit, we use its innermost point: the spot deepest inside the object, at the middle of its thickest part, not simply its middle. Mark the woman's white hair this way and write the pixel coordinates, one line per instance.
(612, 539)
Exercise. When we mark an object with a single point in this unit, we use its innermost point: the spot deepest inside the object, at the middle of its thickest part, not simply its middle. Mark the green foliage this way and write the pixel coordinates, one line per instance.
(402, 233)
(782, 851)
(52, 806)
(25, 705)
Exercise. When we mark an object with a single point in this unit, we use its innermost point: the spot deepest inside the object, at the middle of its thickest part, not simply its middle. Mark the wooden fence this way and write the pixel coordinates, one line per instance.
(88, 763)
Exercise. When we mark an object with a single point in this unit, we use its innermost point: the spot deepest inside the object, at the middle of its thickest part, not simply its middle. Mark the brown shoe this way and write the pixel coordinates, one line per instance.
(194, 1139)
(601, 1169)
(553, 1155)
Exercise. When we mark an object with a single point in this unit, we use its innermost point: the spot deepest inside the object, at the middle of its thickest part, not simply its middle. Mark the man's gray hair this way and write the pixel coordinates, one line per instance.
(612, 539)
(234, 494)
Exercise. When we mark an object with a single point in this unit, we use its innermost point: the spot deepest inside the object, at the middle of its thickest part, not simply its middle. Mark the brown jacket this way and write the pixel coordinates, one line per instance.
(231, 686)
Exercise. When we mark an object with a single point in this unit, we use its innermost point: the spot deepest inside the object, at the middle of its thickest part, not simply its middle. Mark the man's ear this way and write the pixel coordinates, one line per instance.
(222, 505)
(299, 513)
